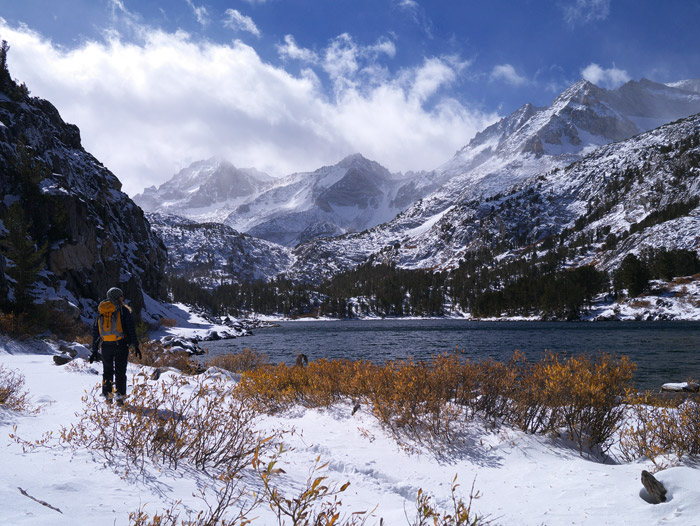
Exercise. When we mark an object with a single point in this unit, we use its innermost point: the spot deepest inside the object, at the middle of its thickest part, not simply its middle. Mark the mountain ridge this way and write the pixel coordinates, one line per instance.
(527, 126)
(351, 195)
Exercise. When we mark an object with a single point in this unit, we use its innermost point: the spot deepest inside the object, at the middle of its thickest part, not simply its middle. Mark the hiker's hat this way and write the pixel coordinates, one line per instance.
(114, 294)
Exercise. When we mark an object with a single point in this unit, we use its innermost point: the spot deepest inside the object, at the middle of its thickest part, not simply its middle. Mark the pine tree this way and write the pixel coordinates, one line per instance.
(633, 275)
(5, 79)
(28, 260)
(7, 85)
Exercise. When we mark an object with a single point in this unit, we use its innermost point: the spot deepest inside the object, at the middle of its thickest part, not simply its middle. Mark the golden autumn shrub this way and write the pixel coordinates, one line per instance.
(155, 354)
(12, 393)
(592, 407)
(428, 399)
(661, 429)
(246, 360)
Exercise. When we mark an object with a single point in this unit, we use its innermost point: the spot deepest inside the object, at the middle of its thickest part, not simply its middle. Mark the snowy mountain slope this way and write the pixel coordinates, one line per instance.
(204, 189)
(96, 237)
(609, 192)
(215, 253)
(687, 85)
(323, 213)
(629, 190)
(534, 140)
(352, 195)
(531, 141)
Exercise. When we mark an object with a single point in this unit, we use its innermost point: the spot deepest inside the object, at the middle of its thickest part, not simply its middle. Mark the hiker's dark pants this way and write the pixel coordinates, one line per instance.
(115, 356)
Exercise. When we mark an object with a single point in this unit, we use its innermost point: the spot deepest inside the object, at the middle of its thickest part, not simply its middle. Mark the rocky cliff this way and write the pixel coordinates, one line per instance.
(95, 236)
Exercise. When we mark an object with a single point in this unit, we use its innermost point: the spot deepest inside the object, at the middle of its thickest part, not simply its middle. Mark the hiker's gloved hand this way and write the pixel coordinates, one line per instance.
(137, 352)
(94, 356)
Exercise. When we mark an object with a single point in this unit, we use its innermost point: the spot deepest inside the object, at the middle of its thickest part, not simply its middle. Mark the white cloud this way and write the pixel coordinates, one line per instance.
(291, 50)
(148, 108)
(118, 5)
(416, 13)
(429, 78)
(408, 4)
(585, 11)
(341, 58)
(253, 2)
(350, 65)
(200, 12)
(507, 73)
(120, 12)
(605, 78)
(384, 46)
(239, 22)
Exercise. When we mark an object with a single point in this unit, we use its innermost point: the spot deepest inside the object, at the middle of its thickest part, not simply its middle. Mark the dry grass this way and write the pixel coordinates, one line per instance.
(168, 322)
(639, 304)
(43, 318)
(16, 326)
(178, 420)
(683, 280)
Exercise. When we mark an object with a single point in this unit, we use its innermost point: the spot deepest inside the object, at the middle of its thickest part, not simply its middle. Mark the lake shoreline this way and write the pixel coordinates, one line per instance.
(665, 351)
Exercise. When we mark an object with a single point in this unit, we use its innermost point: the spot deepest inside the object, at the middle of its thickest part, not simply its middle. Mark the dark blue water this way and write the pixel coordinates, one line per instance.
(663, 351)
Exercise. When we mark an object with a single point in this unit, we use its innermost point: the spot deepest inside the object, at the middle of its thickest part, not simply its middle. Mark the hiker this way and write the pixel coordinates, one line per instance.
(114, 326)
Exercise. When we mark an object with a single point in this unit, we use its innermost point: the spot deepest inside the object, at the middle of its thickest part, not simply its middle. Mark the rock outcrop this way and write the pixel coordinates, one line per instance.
(96, 237)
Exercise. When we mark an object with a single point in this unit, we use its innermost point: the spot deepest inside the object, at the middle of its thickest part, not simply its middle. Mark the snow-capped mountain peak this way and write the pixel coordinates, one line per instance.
(531, 142)
(203, 184)
(352, 195)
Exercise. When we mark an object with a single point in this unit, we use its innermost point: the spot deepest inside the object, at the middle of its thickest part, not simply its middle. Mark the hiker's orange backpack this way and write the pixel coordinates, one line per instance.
(110, 322)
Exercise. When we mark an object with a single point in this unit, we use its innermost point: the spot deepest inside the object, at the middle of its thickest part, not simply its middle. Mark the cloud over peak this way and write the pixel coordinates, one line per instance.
(506, 73)
(610, 78)
(149, 107)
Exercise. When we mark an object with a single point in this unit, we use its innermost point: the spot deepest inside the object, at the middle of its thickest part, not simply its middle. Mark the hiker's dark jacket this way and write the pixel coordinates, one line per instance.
(127, 326)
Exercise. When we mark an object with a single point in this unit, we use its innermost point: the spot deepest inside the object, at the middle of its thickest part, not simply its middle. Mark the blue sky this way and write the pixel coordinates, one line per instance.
(291, 85)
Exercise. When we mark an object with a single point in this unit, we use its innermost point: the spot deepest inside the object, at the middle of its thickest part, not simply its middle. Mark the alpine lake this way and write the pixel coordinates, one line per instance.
(663, 351)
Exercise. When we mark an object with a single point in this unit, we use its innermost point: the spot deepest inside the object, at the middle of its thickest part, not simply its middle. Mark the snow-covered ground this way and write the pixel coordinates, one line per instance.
(522, 479)
(184, 322)
(674, 300)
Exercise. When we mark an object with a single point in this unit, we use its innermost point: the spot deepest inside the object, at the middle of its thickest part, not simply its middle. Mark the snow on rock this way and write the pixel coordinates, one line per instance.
(682, 386)
(677, 300)
(213, 253)
(97, 237)
(179, 325)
